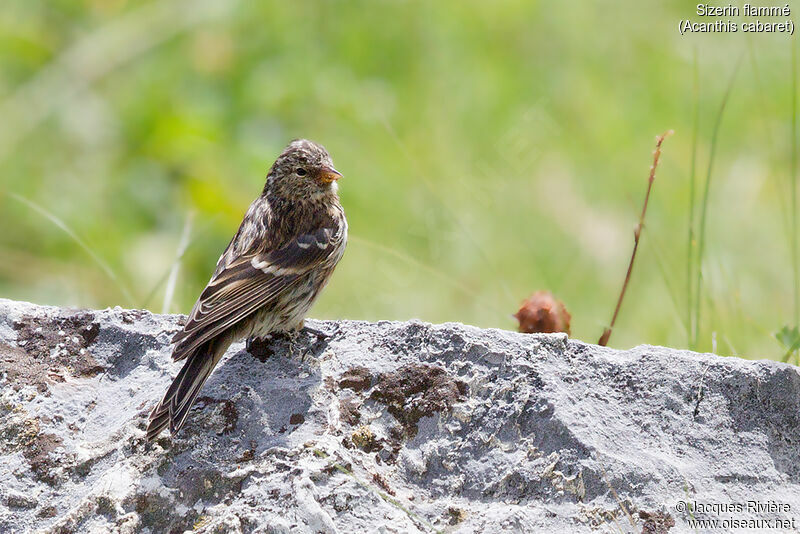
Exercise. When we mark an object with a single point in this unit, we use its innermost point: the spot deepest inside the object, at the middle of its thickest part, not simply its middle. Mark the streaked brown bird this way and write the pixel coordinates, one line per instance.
(274, 268)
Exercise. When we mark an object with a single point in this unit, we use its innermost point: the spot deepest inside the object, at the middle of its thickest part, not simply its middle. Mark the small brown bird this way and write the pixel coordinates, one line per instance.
(274, 268)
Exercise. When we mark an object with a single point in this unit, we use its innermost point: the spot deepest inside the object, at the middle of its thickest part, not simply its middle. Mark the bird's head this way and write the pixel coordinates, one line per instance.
(303, 170)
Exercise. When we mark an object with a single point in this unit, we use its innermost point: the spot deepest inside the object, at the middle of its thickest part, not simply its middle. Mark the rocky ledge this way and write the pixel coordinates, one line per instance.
(386, 427)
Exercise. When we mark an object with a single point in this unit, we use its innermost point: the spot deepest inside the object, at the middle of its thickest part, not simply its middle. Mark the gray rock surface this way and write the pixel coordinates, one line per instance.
(385, 427)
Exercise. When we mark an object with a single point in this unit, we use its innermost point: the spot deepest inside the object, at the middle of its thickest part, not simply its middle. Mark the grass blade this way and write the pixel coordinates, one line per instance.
(690, 327)
(793, 175)
(704, 209)
(67, 230)
(169, 292)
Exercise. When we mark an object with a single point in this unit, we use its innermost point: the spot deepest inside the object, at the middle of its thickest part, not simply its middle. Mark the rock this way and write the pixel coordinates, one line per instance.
(388, 426)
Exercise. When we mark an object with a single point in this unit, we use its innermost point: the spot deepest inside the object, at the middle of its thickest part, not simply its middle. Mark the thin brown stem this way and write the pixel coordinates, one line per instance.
(636, 235)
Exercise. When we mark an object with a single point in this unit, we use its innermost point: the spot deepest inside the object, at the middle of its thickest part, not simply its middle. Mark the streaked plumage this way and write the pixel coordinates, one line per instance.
(283, 254)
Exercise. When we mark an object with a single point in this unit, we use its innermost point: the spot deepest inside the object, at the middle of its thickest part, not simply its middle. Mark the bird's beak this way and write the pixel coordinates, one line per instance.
(329, 174)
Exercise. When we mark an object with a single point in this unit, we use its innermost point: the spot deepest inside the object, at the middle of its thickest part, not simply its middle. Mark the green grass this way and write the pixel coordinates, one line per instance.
(793, 193)
(489, 150)
(787, 336)
(691, 325)
(701, 247)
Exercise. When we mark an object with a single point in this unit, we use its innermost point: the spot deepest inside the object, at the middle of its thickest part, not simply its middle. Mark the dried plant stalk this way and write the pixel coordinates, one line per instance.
(636, 235)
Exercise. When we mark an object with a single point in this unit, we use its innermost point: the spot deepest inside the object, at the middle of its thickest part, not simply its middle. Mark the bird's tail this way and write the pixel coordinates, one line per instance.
(174, 407)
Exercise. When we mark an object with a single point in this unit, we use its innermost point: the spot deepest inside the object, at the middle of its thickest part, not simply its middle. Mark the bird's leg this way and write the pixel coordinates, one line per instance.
(292, 336)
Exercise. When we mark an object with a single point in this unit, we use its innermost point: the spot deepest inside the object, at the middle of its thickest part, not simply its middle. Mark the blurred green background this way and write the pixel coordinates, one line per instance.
(489, 149)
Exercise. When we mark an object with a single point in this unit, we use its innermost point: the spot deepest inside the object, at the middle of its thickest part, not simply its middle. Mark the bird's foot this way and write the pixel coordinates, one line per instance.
(262, 348)
(319, 334)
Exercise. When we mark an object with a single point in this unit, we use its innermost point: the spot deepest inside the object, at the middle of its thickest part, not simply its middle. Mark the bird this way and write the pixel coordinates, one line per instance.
(268, 277)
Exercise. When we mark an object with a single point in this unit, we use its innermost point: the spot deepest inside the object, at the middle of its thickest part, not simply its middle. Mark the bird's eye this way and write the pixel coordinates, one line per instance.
(300, 171)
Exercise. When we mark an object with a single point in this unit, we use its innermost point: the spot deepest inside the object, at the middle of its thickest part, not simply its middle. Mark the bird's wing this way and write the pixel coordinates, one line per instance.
(251, 282)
